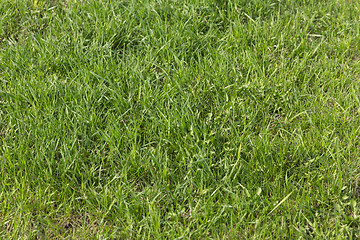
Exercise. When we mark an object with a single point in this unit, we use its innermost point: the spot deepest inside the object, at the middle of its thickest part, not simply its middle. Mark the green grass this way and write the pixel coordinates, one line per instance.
(187, 119)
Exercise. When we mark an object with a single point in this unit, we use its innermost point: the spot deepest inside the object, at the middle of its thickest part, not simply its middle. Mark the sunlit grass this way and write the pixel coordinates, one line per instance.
(179, 119)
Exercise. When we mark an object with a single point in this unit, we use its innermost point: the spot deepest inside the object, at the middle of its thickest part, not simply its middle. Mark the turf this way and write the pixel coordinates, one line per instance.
(187, 119)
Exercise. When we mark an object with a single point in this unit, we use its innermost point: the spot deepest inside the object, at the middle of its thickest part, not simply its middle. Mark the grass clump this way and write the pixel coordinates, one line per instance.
(179, 119)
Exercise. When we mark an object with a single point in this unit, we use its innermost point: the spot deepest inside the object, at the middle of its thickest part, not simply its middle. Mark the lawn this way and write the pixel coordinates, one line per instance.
(179, 119)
